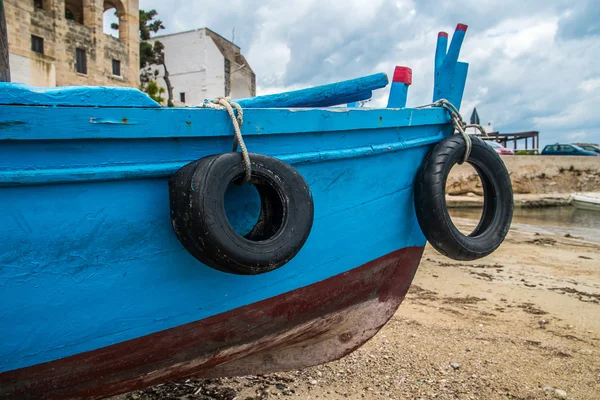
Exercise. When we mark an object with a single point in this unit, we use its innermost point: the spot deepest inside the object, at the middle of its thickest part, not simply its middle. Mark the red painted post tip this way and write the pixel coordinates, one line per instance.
(444, 34)
(461, 27)
(403, 75)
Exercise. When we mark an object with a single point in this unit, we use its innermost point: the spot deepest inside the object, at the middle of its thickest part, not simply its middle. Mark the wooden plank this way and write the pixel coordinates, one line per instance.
(4, 61)
(74, 96)
(67, 123)
(321, 96)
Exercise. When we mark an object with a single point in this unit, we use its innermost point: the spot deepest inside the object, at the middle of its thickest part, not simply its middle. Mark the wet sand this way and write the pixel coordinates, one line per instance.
(523, 323)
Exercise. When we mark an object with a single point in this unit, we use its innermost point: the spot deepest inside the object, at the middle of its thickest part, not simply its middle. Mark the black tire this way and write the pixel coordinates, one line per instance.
(179, 190)
(430, 199)
(200, 221)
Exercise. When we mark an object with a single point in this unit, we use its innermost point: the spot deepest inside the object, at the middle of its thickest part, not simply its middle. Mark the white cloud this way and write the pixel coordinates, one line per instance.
(532, 64)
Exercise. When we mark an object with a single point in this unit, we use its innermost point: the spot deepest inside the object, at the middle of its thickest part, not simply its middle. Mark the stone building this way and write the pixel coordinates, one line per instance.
(202, 64)
(62, 42)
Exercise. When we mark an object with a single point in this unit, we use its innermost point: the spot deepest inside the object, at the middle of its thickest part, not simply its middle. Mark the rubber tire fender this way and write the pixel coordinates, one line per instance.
(430, 199)
(201, 224)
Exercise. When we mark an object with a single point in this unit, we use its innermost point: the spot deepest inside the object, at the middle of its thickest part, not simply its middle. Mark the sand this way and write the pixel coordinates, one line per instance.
(523, 323)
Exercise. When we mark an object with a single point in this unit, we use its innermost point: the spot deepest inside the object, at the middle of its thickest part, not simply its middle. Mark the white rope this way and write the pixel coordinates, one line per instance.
(458, 123)
(225, 103)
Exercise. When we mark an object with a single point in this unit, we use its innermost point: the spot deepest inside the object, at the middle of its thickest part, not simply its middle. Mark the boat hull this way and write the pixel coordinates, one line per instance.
(92, 270)
(583, 202)
(304, 327)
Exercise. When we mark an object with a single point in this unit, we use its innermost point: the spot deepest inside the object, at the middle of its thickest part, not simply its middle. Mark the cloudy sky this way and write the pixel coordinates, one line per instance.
(534, 65)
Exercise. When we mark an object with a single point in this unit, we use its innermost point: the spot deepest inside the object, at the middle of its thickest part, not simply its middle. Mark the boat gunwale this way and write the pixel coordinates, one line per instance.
(70, 123)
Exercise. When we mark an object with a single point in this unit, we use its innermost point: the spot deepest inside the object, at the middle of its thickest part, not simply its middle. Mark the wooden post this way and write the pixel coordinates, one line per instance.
(399, 90)
(4, 65)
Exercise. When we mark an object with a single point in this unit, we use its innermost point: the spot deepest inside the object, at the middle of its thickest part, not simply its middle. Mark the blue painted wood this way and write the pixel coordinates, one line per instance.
(89, 257)
(321, 96)
(28, 123)
(98, 262)
(441, 49)
(450, 75)
(140, 170)
(399, 90)
(79, 96)
(398, 95)
(352, 105)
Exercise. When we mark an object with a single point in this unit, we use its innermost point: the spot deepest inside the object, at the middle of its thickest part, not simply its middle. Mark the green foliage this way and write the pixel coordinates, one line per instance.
(151, 54)
(155, 91)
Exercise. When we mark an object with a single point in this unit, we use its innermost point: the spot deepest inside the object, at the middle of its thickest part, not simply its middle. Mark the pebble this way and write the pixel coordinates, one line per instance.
(561, 394)
(455, 365)
(313, 382)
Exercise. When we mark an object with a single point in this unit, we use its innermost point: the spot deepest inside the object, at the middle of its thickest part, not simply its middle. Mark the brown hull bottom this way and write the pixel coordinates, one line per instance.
(308, 326)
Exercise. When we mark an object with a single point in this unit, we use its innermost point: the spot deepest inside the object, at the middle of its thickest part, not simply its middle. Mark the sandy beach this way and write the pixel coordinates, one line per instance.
(523, 323)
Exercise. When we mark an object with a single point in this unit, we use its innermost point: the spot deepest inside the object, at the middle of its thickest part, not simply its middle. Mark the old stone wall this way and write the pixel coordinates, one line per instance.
(534, 175)
(62, 37)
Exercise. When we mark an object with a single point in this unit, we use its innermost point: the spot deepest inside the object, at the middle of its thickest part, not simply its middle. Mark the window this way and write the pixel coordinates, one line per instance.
(74, 10)
(116, 67)
(81, 61)
(37, 44)
(182, 97)
(38, 4)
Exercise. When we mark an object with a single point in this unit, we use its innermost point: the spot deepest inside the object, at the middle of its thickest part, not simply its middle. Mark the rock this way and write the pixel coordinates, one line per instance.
(455, 365)
(561, 394)
(319, 373)
(547, 388)
(313, 382)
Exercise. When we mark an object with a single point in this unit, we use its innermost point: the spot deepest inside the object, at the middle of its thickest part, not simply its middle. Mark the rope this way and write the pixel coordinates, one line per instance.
(458, 123)
(225, 103)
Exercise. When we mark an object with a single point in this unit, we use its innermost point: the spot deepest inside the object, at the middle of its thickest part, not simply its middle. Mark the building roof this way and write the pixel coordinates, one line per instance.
(195, 30)
(228, 49)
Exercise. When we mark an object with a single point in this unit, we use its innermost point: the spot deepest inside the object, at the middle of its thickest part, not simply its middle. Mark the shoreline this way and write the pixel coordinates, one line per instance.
(540, 200)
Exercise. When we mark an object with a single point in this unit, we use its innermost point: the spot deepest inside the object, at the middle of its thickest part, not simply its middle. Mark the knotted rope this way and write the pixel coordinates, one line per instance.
(459, 124)
(225, 103)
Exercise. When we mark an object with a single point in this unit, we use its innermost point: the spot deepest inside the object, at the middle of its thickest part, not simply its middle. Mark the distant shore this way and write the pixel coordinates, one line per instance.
(521, 200)
(537, 181)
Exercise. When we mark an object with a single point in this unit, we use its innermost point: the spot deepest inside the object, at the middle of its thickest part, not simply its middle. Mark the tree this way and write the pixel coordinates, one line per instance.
(155, 91)
(151, 55)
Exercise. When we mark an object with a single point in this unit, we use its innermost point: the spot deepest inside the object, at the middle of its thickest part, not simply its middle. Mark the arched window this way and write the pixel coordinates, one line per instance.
(114, 18)
(74, 10)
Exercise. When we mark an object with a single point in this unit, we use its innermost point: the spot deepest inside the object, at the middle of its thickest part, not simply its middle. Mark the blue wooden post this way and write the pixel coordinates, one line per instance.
(450, 74)
(321, 96)
(441, 48)
(455, 45)
(399, 89)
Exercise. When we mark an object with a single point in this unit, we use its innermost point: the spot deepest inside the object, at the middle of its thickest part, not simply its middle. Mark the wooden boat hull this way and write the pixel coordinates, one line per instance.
(304, 327)
(91, 263)
(99, 296)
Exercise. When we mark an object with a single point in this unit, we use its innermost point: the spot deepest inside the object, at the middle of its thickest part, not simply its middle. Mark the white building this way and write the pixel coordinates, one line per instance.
(203, 65)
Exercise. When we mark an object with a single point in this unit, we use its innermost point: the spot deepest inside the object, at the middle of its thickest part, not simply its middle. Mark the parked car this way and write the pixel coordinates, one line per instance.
(500, 149)
(566, 150)
(590, 147)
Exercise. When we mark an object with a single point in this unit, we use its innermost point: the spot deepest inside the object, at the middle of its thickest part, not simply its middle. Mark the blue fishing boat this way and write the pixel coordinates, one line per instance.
(138, 248)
